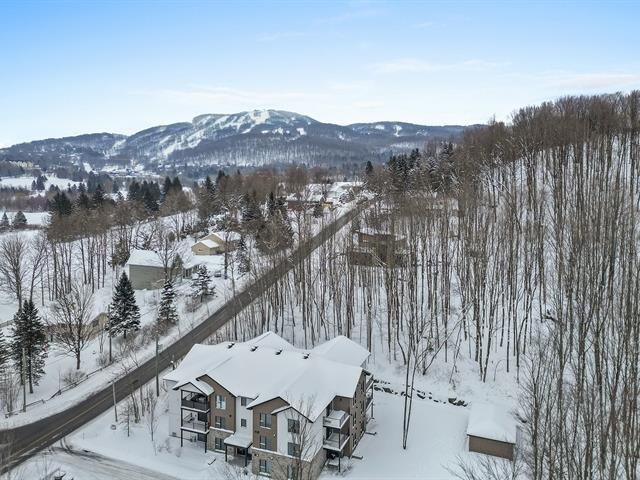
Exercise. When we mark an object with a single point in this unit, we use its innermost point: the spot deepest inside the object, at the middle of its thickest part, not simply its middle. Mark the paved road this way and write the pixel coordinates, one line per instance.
(26, 440)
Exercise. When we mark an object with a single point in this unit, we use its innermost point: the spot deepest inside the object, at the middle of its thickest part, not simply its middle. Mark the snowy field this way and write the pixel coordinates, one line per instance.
(26, 181)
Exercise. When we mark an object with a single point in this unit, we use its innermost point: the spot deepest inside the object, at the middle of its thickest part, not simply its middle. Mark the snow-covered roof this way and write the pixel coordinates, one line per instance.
(227, 236)
(492, 421)
(207, 242)
(239, 439)
(341, 349)
(146, 258)
(269, 367)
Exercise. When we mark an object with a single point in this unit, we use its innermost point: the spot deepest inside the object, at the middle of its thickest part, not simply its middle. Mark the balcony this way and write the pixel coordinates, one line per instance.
(335, 419)
(199, 405)
(369, 400)
(194, 425)
(336, 442)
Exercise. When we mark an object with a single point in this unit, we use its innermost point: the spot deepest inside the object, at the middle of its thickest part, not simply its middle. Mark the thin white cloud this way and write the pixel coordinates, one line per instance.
(424, 25)
(588, 81)
(415, 65)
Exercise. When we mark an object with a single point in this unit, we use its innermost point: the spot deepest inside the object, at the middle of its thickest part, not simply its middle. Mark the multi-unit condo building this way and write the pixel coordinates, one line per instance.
(283, 410)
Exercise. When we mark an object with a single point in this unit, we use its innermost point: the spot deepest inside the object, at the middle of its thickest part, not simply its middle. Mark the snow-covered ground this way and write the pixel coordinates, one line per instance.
(26, 181)
(33, 218)
(436, 445)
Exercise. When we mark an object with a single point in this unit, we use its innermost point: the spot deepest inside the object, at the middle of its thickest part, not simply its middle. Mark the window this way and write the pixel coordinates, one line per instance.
(291, 473)
(221, 402)
(218, 443)
(265, 420)
(293, 449)
(265, 442)
(243, 422)
(220, 422)
(265, 466)
(293, 426)
(202, 437)
(202, 417)
(353, 420)
(244, 401)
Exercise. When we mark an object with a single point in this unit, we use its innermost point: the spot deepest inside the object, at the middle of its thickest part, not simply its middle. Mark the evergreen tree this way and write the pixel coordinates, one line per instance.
(40, 186)
(271, 205)
(124, 314)
(167, 313)
(317, 210)
(242, 256)
(83, 201)
(252, 219)
(149, 202)
(4, 223)
(19, 220)
(60, 205)
(201, 284)
(4, 353)
(98, 197)
(368, 169)
(134, 192)
(167, 187)
(176, 186)
(29, 337)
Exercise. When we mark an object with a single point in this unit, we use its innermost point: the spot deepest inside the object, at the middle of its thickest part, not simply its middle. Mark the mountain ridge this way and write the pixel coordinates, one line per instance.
(253, 137)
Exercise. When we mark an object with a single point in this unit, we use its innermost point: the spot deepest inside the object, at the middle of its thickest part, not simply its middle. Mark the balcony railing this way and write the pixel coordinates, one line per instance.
(336, 442)
(201, 406)
(369, 400)
(369, 382)
(195, 425)
(335, 419)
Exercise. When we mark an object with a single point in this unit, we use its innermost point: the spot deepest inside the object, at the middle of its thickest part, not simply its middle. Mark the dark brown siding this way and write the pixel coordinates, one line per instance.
(272, 432)
(491, 447)
(229, 413)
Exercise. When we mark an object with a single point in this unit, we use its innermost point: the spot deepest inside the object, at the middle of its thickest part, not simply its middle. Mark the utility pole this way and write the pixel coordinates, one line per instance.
(109, 330)
(24, 379)
(157, 378)
(115, 408)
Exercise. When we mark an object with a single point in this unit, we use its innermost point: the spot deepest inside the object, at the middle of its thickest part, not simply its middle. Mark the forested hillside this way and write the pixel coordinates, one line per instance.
(520, 260)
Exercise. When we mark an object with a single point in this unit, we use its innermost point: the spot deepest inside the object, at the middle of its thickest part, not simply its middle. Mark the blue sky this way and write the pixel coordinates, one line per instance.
(120, 66)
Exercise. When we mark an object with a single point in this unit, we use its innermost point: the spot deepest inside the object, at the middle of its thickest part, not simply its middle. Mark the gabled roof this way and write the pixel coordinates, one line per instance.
(343, 350)
(207, 242)
(269, 367)
(145, 258)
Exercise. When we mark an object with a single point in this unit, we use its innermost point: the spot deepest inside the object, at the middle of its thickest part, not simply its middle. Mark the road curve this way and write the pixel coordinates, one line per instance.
(24, 441)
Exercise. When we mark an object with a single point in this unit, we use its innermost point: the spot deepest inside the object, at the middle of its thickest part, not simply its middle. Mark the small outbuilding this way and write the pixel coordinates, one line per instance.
(492, 430)
(147, 272)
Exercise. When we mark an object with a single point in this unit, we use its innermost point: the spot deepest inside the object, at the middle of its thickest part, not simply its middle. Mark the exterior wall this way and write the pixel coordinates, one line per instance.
(228, 413)
(310, 470)
(246, 414)
(346, 405)
(202, 249)
(358, 405)
(311, 433)
(146, 278)
(272, 432)
(491, 447)
(174, 408)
